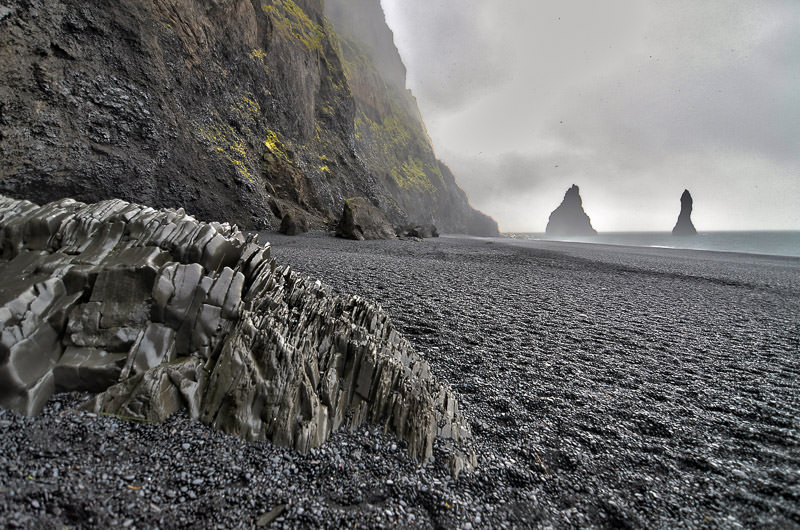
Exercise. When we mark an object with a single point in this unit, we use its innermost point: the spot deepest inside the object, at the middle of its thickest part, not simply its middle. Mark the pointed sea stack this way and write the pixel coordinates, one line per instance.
(569, 219)
(684, 226)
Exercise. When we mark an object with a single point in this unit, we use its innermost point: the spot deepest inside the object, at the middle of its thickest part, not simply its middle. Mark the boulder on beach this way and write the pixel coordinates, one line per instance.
(569, 219)
(155, 312)
(422, 231)
(684, 226)
(293, 224)
(361, 220)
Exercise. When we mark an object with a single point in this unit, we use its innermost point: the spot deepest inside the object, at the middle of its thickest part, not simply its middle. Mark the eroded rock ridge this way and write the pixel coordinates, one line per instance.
(155, 312)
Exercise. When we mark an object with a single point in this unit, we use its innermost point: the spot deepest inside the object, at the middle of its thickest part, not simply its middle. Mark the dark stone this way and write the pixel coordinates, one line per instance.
(684, 226)
(569, 219)
(361, 220)
(293, 224)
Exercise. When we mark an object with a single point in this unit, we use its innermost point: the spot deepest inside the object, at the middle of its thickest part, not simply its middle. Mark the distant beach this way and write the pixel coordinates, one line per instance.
(771, 243)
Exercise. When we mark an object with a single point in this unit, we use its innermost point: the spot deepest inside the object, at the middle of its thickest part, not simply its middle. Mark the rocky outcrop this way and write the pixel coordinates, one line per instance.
(684, 226)
(361, 220)
(569, 219)
(155, 312)
(217, 107)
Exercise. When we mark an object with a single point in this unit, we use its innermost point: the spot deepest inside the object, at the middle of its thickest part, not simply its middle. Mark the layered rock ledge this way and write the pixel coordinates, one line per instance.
(154, 312)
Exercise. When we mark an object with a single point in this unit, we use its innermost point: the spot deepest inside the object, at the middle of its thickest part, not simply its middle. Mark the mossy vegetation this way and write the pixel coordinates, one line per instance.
(226, 141)
(234, 143)
(275, 146)
(292, 23)
(258, 54)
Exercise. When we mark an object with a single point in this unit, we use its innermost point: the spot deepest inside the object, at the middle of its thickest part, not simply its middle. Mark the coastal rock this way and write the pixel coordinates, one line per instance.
(361, 220)
(684, 226)
(155, 312)
(569, 219)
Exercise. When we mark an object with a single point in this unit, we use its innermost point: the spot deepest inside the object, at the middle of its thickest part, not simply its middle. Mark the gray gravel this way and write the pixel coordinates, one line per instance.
(606, 387)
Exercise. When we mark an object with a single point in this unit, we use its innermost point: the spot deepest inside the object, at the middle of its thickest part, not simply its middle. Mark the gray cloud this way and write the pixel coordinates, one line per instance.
(467, 57)
(631, 100)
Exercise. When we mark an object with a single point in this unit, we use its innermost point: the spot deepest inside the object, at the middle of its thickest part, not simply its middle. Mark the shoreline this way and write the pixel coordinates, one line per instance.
(545, 243)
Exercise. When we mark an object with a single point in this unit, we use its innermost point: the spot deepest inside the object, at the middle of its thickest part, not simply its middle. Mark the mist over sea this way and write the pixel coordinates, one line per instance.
(774, 243)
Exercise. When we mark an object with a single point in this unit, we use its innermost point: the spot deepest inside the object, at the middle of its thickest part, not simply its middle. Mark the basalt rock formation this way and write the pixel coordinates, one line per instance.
(224, 108)
(569, 219)
(684, 226)
(154, 312)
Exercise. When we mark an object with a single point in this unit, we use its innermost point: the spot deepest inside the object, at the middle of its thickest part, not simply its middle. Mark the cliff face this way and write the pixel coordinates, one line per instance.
(684, 226)
(390, 135)
(569, 219)
(237, 110)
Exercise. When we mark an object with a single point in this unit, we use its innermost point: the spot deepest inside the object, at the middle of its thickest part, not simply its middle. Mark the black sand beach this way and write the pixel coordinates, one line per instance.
(606, 387)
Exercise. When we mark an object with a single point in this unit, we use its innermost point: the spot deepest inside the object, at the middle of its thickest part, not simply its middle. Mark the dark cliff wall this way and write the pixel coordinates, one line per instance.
(233, 109)
(390, 135)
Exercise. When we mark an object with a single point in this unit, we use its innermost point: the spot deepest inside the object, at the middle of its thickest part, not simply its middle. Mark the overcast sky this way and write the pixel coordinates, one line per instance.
(632, 100)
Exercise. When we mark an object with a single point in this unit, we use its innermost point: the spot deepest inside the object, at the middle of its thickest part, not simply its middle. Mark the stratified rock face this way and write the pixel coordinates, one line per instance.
(157, 312)
(361, 220)
(684, 226)
(569, 219)
(218, 107)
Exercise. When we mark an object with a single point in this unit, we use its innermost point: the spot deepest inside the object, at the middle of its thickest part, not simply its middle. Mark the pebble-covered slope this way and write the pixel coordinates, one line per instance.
(605, 387)
(158, 312)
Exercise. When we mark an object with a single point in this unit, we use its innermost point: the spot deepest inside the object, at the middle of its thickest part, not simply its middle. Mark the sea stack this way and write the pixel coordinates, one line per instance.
(569, 219)
(684, 226)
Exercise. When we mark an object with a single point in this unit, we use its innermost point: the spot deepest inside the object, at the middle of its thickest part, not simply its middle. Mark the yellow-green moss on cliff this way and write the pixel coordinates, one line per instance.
(291, 22)
(388, 132)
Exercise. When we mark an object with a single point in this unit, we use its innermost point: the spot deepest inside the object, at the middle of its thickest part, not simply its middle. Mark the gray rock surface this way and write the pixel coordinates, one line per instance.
(361, 220)
(157, 312)
(684, 225)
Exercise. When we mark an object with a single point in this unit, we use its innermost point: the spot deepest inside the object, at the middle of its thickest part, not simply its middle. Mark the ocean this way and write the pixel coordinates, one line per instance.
(773, 243)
